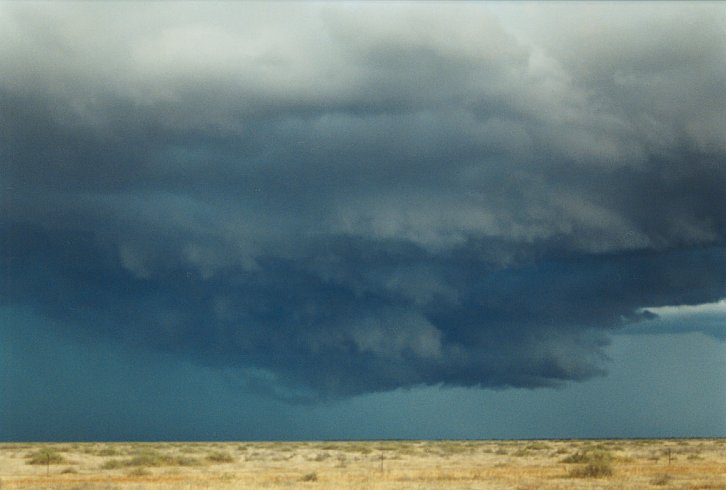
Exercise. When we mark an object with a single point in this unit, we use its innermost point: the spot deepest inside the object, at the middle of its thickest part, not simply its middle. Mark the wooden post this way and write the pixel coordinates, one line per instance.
(47, 463)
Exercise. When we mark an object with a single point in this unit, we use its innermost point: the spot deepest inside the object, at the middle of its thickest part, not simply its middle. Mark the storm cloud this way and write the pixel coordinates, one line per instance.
(336, 199)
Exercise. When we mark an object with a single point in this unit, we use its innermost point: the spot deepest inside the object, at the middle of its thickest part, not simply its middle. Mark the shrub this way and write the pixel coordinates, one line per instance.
(111, 464)
(661, 480)
(310, 477)
(595, 464)
(588, 456)
(150, 458)
(107, 451)
(46, 456)
(521, 453)
(596, 469)
(220, 457)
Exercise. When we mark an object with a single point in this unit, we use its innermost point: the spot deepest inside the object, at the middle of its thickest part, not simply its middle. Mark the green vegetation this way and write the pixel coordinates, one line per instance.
(45, 456)
(531, 464)
(220, 457)
(310, 477)
(108, 451)
(596, 469)
(520, 453)
(139, 471)
(150, 457)
(537, 446)
(319, 457)
(661, 480)
(595, 463)
(588, 456)
(452, 448)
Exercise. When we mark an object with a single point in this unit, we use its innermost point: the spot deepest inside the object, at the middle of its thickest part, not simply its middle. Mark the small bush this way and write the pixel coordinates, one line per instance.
(150, 458)
(596, 469)
(310, 477)
(595, 464)
(588, 456)
(661, 480)
(521, 453)
(46, 456)
(112, 464)
(319, 457)
(69, 471)
(220, 457)
(139, 471)
(107, 451)
(190, 449)
(341, 460)
(361, 448)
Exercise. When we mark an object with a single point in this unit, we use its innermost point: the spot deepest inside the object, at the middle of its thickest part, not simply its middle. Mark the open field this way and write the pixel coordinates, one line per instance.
(622, 464)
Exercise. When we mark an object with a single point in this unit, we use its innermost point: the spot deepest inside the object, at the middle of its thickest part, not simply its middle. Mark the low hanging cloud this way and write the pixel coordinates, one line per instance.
(334, 199)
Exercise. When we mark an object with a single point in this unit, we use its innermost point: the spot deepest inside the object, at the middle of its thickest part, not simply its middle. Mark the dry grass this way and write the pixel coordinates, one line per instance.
(587, 465)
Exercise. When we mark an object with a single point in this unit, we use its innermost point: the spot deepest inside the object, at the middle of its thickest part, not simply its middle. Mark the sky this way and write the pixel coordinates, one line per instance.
(348, 220)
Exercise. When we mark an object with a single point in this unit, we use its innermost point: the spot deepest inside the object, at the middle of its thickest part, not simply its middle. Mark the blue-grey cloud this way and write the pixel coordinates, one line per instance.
(339, 199)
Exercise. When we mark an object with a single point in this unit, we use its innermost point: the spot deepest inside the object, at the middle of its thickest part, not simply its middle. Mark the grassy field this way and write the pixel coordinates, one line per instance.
(621, 464)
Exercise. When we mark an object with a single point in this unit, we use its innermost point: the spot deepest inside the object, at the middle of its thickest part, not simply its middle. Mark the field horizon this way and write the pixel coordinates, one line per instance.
(671, 463)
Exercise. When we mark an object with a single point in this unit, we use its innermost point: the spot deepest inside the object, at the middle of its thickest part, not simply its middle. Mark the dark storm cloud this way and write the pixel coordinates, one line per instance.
(337, 199)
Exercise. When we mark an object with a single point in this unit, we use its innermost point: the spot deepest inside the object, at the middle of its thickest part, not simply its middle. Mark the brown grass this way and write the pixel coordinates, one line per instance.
(586, 465)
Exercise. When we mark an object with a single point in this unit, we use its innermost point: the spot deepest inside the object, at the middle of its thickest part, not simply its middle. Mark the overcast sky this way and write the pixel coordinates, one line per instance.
(336, 220)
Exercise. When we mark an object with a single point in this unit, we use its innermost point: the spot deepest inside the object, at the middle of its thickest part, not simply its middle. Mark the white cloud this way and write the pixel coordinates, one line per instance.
(709, 318)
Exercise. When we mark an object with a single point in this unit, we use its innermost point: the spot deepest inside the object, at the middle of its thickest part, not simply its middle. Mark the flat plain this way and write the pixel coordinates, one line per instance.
(531, 464)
